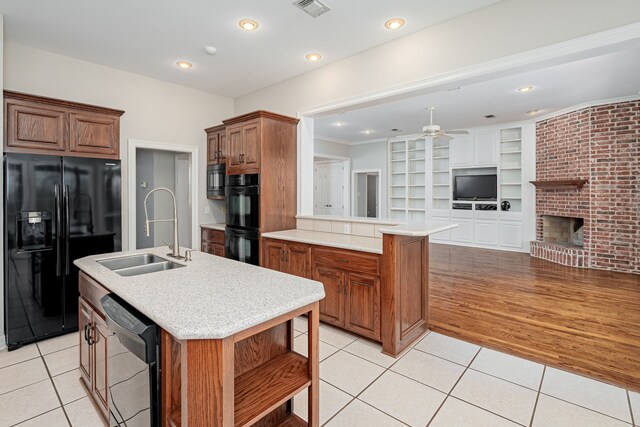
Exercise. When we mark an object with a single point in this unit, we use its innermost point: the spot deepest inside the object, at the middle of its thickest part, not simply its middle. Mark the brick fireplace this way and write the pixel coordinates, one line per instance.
(596, 223)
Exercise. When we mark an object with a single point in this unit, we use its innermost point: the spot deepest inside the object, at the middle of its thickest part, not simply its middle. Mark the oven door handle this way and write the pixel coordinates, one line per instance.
(245, 191)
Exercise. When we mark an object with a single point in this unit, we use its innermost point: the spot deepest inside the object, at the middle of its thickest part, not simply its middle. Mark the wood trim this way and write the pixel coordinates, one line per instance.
(9, 94)
(207, 370)
(215, 129)
(560, 184)
(313, 404)
(260, 114)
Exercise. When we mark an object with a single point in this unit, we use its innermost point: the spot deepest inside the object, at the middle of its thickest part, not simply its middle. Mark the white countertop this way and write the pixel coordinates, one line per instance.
(343, 241)
(417, 229)
(210, 298)
(215, 226)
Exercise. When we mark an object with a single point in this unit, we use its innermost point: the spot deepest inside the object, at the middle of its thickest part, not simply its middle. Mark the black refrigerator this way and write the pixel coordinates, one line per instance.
(56, 209)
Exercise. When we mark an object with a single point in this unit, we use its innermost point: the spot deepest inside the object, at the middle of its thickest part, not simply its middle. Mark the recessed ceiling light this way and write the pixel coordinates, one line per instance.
(313, 57)
(394, 24)
(339, 124)
(248, 24)
(525, 89)
(184, 64)
(367, 132)
(533, 112)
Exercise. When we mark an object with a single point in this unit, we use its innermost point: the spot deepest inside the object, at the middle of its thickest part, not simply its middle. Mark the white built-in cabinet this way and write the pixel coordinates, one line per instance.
(505, 150)
(407, 179)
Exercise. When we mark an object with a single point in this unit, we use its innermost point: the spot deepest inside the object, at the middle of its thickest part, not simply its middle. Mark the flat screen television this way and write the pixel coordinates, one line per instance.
(475, 187)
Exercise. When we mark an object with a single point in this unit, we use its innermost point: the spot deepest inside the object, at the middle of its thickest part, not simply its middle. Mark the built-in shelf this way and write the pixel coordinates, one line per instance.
(512, 152)
(292, 420)
(262, 389)
(440, 157)
(510, 183)
(560, 184)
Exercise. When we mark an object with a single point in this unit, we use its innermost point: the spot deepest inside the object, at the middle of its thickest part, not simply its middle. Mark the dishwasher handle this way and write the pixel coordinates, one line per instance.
(135, 331)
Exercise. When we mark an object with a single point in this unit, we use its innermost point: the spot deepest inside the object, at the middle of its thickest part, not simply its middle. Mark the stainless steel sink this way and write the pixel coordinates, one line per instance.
(130, 261)
(134, 265)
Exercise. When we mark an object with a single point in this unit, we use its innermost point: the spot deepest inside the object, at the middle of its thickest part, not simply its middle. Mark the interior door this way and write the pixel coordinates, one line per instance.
(321, 189)
(372, 195)
(336, 189)
(332, 306)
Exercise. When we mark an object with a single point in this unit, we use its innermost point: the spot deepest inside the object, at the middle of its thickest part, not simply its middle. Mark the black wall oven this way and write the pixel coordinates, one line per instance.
(215, 181)
(243, 218)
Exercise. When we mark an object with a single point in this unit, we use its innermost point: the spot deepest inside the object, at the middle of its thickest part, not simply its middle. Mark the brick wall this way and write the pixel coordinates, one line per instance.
(601, 144)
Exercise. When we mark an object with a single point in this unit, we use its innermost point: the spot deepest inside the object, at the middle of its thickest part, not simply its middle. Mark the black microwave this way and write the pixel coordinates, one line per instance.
(216, 175)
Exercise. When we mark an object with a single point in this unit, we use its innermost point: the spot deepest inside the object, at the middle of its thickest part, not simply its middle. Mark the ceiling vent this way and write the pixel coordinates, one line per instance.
(314, 8)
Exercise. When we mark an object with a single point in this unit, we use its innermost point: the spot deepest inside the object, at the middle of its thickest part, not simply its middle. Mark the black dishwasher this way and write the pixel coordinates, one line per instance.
(133, 355)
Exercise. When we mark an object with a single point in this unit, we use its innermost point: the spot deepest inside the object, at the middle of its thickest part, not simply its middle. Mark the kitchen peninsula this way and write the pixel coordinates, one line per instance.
(375, 273)
(226, 333)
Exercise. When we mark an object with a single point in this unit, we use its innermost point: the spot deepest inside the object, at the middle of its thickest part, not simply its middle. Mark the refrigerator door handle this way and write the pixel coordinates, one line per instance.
(66, 228)
(56, 189)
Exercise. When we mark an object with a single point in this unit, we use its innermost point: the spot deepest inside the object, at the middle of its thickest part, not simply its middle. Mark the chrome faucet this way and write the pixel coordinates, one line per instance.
(175, 248)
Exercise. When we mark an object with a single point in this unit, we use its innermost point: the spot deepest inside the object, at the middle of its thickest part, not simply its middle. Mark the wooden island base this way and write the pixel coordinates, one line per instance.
(246, 379)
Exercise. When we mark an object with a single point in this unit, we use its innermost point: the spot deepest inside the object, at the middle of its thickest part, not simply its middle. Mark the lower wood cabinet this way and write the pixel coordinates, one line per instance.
(291, 258)
(351, 281)
(93, 355)
(212, 241)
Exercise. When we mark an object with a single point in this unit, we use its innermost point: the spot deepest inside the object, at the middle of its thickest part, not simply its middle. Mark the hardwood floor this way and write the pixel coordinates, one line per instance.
(583, 320)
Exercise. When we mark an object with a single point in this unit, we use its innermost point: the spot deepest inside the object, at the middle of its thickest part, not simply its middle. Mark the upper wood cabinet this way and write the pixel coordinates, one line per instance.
(40, 125)
(244, 148)
(216, 145)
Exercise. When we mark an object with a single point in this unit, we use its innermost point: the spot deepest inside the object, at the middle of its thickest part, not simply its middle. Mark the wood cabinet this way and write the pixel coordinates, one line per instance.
(93, 343)
(244, 148)
(291, 258)
(212, 241)
(216, 145)
(351, 281)
(40, 125)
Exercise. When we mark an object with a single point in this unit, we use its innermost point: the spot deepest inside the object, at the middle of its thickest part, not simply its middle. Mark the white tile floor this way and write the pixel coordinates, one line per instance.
(440, 382)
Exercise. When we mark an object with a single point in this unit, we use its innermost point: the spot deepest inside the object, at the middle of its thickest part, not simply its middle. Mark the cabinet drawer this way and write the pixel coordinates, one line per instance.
(91, 291)
(213, 236)
(348, 260)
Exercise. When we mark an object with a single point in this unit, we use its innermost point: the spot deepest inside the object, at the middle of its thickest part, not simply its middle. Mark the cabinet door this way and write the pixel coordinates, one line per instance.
(234, 149)
(251, 145)
(222, 147)
(94, 134)
(362, 314)
(35, 127)
(218, 250)
(485, 150)
(486, 232)
(212, 148)
(101, 384)
(461, 151)
(84, 323)
(207, 248)
(298, 258)
(511, 234)
(332, 306)
(273, 255)
(463, 233)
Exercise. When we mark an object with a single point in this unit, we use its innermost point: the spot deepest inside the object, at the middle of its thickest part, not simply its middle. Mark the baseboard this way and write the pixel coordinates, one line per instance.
(3, 342)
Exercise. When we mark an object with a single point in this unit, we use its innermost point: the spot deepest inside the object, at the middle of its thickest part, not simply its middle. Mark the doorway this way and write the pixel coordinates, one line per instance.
(172, 166)
(366, 197)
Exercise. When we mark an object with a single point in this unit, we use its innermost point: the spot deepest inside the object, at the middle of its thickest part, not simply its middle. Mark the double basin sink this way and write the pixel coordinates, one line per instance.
(135, 265)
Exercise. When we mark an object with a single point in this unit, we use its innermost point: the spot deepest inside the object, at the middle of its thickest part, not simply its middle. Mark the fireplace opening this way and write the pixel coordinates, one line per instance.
(564, 231)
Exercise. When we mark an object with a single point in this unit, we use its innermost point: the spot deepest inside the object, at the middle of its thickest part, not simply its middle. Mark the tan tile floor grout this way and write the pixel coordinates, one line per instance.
(336, 336)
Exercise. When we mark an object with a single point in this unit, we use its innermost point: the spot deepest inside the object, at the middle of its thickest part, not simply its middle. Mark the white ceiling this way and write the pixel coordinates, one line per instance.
(149, 36)
(555, 88)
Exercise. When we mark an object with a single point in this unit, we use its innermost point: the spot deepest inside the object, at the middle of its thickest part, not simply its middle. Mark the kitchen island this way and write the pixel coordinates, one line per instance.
(226, 338)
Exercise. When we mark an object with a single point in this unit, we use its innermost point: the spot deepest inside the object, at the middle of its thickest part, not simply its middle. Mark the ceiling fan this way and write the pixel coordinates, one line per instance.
(434, 131)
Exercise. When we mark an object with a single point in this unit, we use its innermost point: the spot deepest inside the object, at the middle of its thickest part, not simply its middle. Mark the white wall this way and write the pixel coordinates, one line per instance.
(2, 339)
(373, 156)
(144, 173)
(154, 110)
(164, 173)
(323, 148)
